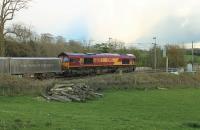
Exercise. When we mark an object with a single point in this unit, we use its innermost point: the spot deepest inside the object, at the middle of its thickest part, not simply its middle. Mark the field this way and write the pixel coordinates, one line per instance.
(167, 109)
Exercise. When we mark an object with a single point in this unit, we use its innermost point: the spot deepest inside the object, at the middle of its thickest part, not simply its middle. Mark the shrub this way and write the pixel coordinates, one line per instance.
(14, 85)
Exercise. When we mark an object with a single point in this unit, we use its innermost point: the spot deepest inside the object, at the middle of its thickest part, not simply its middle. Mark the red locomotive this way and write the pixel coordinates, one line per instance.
(80, 63)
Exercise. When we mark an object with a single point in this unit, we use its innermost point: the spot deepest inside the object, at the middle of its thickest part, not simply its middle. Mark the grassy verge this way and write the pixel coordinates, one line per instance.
(142, 81)
(173, 109)
(11, 86)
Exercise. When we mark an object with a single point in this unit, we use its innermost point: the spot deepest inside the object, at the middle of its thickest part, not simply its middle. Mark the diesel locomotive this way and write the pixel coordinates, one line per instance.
(79, 63)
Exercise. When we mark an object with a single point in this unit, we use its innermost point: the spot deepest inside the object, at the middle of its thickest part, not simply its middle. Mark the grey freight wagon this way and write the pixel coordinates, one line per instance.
(4, 65)
(21, 66)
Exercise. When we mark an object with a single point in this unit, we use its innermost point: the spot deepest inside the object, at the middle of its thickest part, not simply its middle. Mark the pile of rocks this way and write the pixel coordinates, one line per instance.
(70, 93)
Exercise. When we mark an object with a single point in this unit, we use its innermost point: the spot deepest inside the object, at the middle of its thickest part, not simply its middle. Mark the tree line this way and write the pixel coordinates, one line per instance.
(24, 42)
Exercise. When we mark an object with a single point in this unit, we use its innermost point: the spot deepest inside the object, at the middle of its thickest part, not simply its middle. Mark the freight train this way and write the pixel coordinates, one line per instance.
(68, 64)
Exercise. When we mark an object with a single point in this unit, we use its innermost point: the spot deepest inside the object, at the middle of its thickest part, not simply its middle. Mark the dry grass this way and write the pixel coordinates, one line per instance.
(12, 85)
(142, 81)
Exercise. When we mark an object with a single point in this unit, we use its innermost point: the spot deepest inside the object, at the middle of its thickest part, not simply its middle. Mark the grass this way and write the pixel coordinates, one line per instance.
(15, 86)
(142, 81)
(172, 109)
(188, 58)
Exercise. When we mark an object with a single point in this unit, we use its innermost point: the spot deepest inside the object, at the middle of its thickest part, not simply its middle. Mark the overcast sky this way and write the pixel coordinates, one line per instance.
(131, 21)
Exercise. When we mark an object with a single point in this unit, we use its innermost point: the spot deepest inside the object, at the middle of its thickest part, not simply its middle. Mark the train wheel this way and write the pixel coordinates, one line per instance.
(134, 69)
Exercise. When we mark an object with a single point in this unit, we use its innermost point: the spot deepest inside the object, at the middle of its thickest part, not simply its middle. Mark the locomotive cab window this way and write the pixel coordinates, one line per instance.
(65, 59)
(88, 61)
(125, 61)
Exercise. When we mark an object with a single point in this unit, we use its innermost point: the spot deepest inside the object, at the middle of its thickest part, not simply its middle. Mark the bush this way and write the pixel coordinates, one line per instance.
(13, 85)
(142, 81)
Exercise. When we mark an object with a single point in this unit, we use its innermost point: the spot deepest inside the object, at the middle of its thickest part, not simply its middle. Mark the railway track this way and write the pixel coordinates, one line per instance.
(92, 76)
(83, 76)
(86, 76)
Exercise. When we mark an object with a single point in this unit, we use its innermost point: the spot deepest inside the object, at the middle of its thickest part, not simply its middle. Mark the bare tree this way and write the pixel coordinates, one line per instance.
(60, 40)
(22, 32)
(47, 38)
(8, 8)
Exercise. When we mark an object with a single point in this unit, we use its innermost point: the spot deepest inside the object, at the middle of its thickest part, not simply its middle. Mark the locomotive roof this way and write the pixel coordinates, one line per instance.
(71, 54)
(31, 58)
(96, 55)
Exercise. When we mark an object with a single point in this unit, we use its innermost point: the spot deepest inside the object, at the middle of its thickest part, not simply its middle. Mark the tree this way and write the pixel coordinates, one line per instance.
(159, 56)
(47, 38)
(75, 46)
(22, 32)
(8, 9)
(176, 55)
(60, 40)
(102, 48)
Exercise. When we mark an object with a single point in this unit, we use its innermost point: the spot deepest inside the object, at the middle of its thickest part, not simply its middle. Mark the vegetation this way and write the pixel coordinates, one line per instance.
(131, 101)
(188, 59)
(19, 86)
(176, 55)
(176, 109)
(47, 45)
(8, 9)
(38, 49)
(142, 81)
(11, 86)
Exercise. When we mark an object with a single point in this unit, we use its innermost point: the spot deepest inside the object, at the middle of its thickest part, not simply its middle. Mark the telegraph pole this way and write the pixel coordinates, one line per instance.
(155, 55)
(89, 44)
(192, 55)
(109, 40)
(167, 60)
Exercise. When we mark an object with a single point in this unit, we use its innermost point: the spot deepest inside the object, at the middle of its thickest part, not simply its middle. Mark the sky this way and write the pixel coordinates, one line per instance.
(135, 22)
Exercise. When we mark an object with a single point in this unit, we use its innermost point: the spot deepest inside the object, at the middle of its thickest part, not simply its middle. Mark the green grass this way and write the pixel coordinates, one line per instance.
(188, 58)
(174, 109)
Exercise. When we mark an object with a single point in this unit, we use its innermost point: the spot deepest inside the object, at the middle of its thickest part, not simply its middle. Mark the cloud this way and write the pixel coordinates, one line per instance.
(175, 29)
(127, 20)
